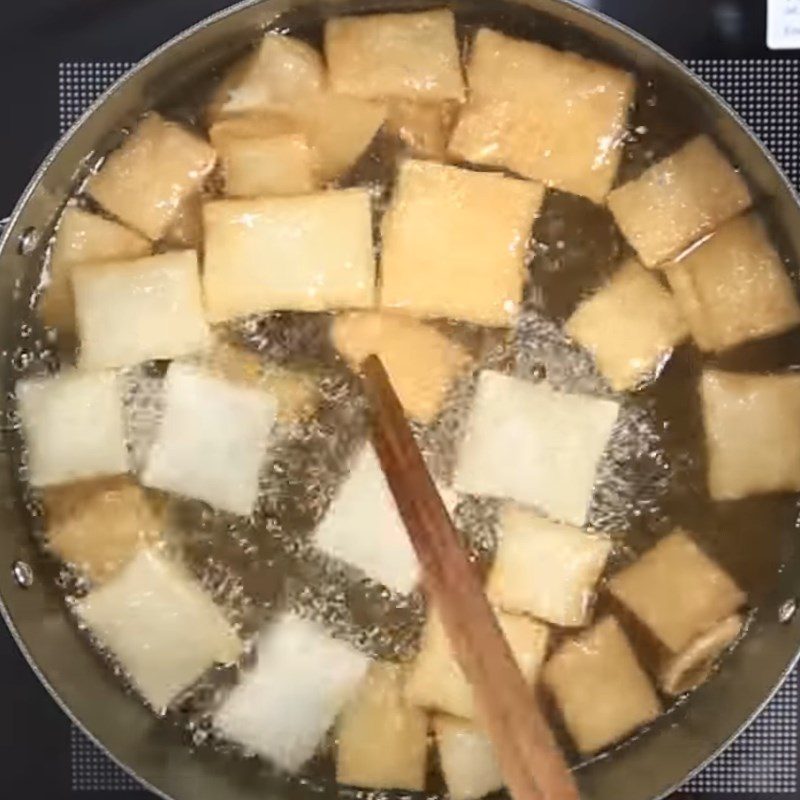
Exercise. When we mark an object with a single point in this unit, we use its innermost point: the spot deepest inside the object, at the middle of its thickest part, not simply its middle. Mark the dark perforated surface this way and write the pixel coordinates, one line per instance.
(766, 93)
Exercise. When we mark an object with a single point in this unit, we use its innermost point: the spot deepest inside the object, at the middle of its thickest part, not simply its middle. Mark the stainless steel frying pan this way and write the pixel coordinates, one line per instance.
(158, 754)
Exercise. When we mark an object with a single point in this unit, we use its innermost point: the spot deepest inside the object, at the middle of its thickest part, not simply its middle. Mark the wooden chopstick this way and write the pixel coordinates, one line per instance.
(532, 764)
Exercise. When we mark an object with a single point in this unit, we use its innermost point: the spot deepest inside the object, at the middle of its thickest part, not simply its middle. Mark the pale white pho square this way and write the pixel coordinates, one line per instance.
(73, 426)
(467, 758)
(212, 441)
(529, 443)
(363, 526)
(283, 707)
(158, 622)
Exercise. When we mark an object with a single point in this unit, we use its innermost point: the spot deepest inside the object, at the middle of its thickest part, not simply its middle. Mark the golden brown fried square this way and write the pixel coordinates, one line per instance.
(98, 525)
(305, 253)
(550, 115)
(382, 740)
(600, 688)
(752, 425)
(422, 362)
(454, 243)
(678, 200)
(436, 679)
(629, 325)
(676, 590)
(414, 56)
(146, 179)
(733, 287)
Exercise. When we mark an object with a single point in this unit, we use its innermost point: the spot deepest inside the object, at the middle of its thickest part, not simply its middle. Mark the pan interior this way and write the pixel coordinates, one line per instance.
(652, 481)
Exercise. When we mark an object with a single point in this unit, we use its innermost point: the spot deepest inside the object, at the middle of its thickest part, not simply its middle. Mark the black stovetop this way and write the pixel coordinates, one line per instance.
(38, 35)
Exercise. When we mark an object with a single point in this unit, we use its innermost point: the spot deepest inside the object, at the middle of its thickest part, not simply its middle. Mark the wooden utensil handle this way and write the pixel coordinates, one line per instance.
(533, 766)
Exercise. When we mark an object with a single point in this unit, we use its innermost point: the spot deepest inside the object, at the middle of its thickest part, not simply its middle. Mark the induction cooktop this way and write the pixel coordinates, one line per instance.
(56, 56)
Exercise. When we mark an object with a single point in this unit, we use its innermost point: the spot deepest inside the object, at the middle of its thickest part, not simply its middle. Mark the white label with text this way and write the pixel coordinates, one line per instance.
(783, 24)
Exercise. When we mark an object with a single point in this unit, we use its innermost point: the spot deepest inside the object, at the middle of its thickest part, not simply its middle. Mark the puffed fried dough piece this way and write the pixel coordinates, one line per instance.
(305, 253)
(600, 688)
(382, 740)
(134, 311)
(424, 128)
(676, 590)
(99, 525)
(145, 180)
(159, 623)
(253, 125)
(338, 129)
(283, 71)
(436, 680)
(422, 362)
(545, 569)
(734, 287)
(280, 165)
(688, 669)
(73, 426)
(630, 325)
(752, 425)
(550, 115)
(82, 238)
(467, 759)
(454, 243)
(414, 56)
(678, 200)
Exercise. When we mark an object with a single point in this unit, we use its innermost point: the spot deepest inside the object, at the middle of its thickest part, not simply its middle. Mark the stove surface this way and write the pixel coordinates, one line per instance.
(57, 55)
